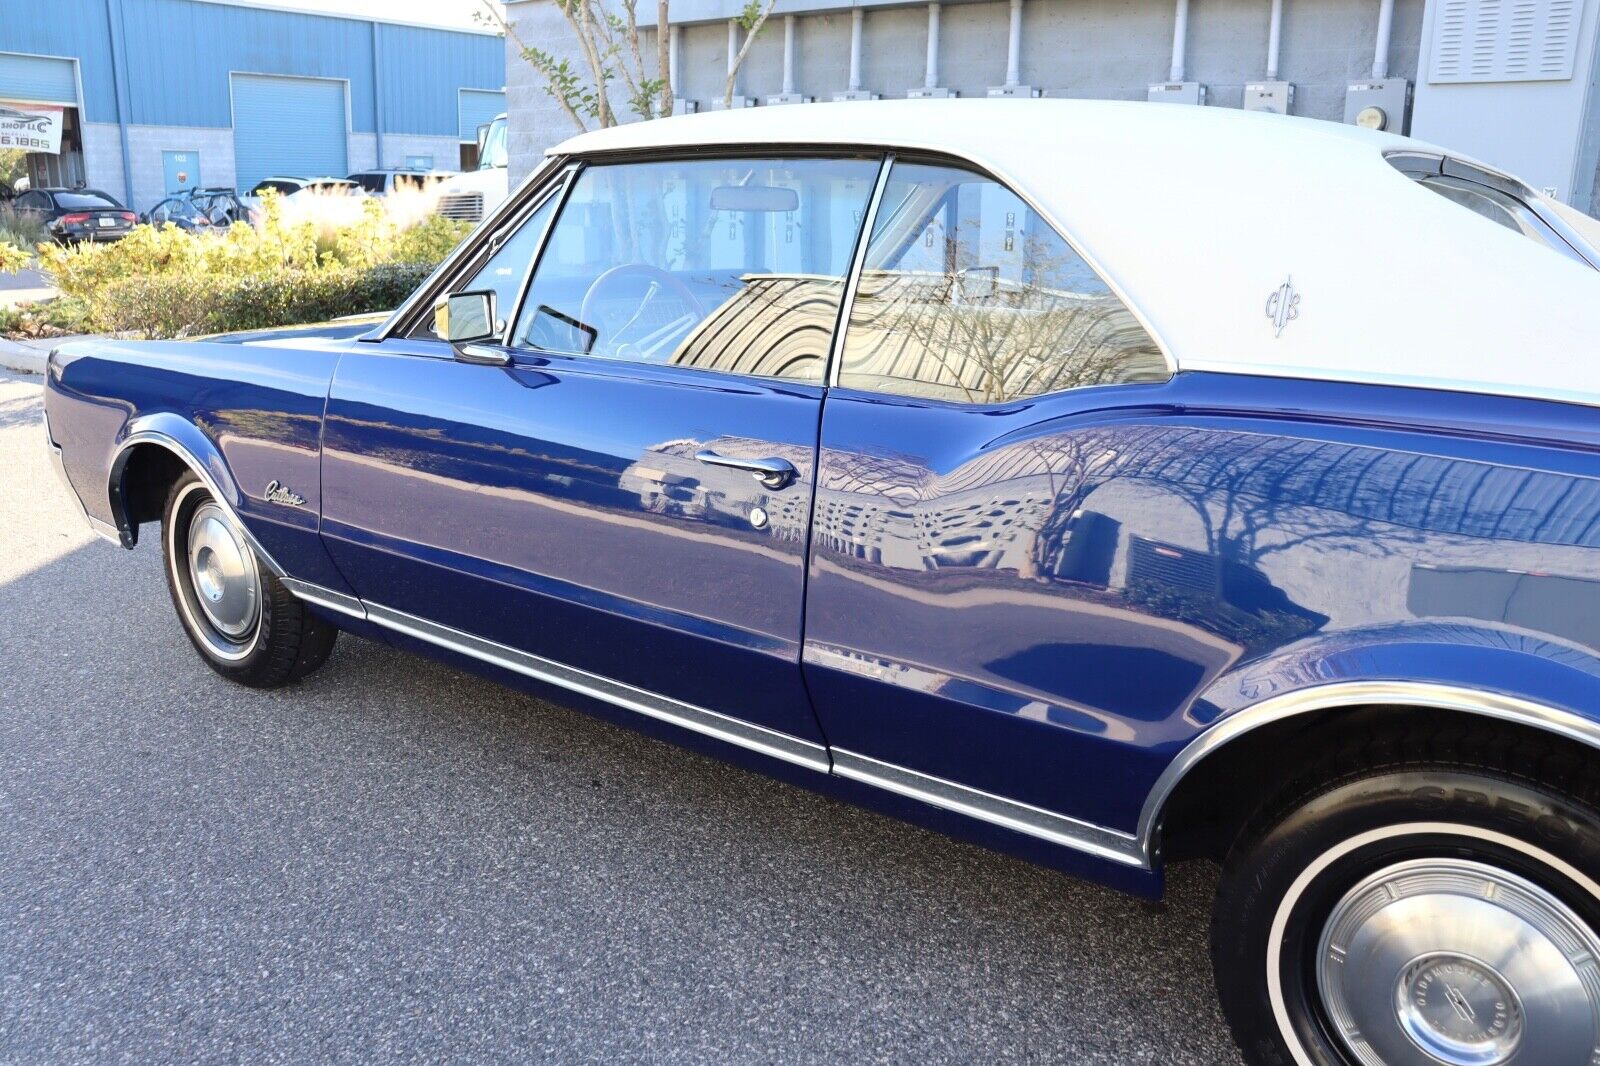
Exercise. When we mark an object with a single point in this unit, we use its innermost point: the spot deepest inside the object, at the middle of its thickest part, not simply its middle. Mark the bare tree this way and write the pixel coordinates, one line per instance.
(751, 19)
(611, 50)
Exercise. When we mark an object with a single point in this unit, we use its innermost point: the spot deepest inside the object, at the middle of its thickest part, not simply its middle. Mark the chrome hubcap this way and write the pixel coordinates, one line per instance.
(223, 572)
(1453, 962)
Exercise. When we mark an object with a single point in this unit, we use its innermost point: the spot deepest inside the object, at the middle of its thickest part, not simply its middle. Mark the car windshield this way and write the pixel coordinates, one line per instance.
(369, 182)
(494, 146)
(85, 199)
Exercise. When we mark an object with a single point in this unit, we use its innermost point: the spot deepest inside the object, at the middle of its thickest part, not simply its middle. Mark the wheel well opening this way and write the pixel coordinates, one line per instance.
(141, 494)
(1215, 801)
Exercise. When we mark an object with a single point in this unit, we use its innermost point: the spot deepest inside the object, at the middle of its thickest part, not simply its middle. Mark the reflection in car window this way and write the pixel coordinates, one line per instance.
(733, 265)
(968, 295)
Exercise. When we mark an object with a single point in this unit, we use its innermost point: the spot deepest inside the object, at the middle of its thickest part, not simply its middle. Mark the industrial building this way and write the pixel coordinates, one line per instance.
(141, 98)
(1510, 82)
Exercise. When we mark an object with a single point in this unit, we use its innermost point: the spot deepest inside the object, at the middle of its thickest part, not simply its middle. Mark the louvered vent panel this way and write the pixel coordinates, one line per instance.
(1505, 40)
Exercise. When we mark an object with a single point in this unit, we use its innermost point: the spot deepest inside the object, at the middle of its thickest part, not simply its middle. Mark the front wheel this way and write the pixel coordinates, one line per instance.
(1436, 914)
(244, 623)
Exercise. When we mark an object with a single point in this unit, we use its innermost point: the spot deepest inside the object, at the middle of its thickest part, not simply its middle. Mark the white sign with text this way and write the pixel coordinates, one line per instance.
(31, 127)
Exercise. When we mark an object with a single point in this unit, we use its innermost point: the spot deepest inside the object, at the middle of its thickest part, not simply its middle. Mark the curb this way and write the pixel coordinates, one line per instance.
(22, 358)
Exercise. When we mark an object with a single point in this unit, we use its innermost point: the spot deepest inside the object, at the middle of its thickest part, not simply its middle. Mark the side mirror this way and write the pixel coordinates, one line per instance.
(466, 320)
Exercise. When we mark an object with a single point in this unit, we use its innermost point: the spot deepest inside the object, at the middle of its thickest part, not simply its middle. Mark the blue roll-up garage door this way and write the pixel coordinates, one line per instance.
(288, 126)
(476, 108)
(38, 80)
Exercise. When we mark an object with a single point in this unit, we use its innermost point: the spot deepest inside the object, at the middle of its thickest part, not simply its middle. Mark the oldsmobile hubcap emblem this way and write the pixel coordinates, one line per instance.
(1283, 306)
(1458, 1009)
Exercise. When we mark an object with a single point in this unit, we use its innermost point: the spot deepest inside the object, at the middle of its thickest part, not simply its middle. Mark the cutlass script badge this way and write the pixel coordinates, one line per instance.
(1283, 306)
(277, 493)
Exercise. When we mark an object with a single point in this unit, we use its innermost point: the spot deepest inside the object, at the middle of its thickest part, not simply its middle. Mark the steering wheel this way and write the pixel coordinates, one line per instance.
(653, 339)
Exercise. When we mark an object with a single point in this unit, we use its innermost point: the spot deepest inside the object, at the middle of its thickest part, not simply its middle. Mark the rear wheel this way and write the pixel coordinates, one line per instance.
(241, 619)
(1432, 913)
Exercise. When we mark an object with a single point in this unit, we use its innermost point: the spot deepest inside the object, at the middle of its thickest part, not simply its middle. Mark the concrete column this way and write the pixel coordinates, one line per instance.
(930, 78)
(1014, 47)
(1274, 39)
(674, 58)
(1380, 49)
(857, 17)
(1180, 40)
(788, 54)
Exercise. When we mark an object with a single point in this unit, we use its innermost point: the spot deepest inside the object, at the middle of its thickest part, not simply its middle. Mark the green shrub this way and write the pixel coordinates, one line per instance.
(21, 233)
(168, 283)
(12, 258)
(187, 304)
(45, 318)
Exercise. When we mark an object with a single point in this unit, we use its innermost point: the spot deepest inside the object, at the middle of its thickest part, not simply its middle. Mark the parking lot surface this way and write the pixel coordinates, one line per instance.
(398, 861)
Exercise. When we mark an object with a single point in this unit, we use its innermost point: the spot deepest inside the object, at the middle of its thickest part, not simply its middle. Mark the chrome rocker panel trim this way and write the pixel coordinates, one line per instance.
(651, 705)
(1138, 849)
(1095, 840)
(937, 792)
(1351, 694)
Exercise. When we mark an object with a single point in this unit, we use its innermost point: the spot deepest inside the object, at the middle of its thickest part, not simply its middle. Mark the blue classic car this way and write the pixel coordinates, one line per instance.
(1108, 483)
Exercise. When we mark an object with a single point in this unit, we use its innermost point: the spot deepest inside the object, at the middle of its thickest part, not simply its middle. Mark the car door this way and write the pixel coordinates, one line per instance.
(974, 621)
(629, 495)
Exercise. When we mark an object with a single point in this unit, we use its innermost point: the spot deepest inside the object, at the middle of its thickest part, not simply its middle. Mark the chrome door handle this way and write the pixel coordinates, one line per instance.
(774, 473)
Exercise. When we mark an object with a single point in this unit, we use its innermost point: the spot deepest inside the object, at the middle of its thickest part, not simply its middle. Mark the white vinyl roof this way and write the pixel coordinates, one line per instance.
(1196, 215)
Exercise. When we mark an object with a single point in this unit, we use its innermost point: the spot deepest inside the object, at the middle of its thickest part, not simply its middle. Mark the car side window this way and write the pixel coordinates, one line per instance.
(503, 272)
(32, 201)
(735, 265)
(966, 294)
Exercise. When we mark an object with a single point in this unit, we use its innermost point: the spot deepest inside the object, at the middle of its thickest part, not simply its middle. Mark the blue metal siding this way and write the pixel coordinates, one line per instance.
(421, 70)
(38, 79)
(478, 108)
(74, 28)
(293, 126)
(180, 53)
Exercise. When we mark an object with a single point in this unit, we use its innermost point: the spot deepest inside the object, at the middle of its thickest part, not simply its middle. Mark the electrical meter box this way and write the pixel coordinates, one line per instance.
(856, 94)
(1025, 92)
(788, 98)
(1177, 92)
(1380, 104)
(738, 101)
(684, 107)
(931, 94)
(1274, 96)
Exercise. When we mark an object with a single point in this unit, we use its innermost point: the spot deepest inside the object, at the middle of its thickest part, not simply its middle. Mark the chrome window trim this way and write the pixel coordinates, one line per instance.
(469, 246)
(1419, 166)
(560, 193)
(1350, 694)
(1109, 844)
(852, 278)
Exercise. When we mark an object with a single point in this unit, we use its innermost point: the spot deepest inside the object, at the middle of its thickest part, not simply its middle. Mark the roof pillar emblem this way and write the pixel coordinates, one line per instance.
(1283, 306)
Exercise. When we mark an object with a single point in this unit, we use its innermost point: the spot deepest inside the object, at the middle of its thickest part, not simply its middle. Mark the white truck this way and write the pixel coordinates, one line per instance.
(474, 193)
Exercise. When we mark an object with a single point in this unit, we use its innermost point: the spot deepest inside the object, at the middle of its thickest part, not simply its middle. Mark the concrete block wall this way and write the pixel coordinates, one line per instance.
(1100, 49)
(102, 158)
(446, 151)
(146, 143)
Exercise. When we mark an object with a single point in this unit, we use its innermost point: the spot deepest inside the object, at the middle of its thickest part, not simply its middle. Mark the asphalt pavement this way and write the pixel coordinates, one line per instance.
(396, 861)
